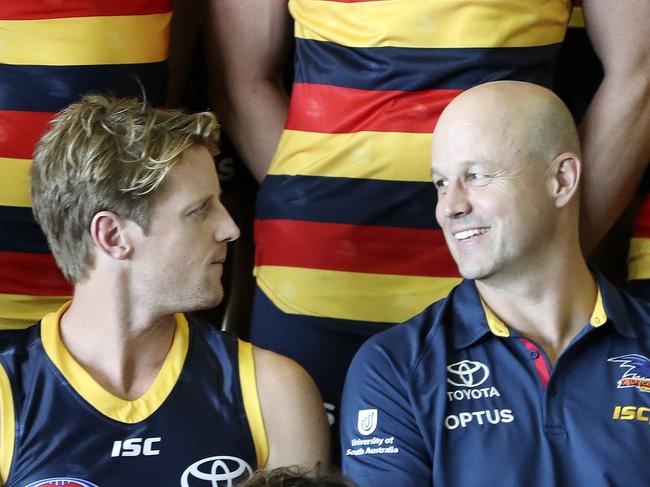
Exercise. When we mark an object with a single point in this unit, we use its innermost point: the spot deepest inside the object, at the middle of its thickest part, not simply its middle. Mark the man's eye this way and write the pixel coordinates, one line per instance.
(476, 177)
(440, 184)
(200, 211)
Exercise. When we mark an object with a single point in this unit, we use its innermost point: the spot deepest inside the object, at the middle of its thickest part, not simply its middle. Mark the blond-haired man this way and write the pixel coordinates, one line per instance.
(116, 388)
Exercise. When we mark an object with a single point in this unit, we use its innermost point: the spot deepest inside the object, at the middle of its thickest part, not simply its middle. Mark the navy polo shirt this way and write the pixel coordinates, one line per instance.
(454, 397)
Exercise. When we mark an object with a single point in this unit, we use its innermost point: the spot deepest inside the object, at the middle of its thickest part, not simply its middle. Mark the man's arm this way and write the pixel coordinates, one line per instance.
(293, 412)
(247, 42)
(615, 132)
(382, 445)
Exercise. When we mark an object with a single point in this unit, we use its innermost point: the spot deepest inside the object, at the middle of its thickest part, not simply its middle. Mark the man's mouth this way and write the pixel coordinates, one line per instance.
(469, 233)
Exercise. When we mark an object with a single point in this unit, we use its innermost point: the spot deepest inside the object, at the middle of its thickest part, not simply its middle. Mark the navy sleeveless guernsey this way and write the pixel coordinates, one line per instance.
(199, 424)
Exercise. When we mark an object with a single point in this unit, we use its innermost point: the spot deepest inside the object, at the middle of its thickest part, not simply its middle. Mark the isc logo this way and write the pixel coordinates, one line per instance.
(629, 413)
(134, 447)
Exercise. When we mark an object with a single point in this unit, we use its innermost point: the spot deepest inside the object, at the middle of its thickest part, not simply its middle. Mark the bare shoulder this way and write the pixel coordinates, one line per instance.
(293, 412)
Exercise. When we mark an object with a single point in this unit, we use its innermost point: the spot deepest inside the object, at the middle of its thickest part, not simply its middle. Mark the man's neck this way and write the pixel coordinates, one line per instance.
(121, 345)
(549, 307)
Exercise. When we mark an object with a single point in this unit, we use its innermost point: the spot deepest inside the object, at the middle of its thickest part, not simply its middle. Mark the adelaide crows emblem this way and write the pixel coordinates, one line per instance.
(637, 373)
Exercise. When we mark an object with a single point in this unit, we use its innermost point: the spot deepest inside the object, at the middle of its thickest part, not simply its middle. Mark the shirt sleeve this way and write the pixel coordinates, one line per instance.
(382, 444)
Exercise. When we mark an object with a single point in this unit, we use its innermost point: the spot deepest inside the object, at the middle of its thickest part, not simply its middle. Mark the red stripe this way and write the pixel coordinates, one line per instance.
(19, 132)
(32, 274)
(353, 248)
(540, 363)
(334, 109)
(39, 9)
(642, 218)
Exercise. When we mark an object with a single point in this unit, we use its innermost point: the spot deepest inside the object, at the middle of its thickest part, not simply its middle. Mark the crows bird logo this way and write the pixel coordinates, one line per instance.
(637, 373)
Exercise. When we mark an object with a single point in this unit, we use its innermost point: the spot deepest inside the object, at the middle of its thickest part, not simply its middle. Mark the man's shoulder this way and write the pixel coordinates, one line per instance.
(404, 346)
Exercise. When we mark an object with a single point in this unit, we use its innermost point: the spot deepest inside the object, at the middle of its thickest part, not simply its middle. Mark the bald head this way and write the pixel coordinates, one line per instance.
(523, 116)
(505, 161)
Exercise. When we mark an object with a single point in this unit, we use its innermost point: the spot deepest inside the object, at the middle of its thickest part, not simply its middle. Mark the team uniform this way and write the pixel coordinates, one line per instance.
(639, 253)
(454, 397)
(346, 241)
(200, 423)
(51, 53)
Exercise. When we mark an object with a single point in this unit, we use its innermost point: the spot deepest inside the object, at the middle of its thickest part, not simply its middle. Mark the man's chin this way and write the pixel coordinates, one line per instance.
(473, 272)
(205, 302)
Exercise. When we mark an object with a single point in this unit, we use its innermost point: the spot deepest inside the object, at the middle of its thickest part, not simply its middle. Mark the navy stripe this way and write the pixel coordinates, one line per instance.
(19, 232)
(357, 201)
(51, 88)
(411, 69)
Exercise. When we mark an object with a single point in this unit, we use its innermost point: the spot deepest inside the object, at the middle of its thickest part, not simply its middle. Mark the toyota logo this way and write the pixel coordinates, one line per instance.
(219, 471)
(467, 373)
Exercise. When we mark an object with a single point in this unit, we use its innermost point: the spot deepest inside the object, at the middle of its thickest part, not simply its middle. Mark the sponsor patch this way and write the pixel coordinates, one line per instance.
(220, 471)
(61, 481)
(637, 373)
(467, 373)
(367, 421)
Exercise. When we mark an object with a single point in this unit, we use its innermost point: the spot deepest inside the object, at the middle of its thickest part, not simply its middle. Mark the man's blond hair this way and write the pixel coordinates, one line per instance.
(111, 154)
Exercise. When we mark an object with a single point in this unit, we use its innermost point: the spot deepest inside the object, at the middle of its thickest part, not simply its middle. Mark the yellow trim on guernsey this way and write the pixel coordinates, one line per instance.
(434, 24)
(321, 293)
(7, 425)
(638, 259)
(18, 311)
(370, 155)
(14, 184)
(103, 401)
(499, 328)
(248, 382)
(577, 20)
(598, 315)
(85, 40)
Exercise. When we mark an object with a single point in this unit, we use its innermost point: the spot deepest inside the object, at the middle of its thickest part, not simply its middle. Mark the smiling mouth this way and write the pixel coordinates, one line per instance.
(469, 234)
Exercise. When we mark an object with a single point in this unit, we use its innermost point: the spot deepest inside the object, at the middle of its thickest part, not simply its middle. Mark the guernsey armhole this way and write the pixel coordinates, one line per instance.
(251, 399)
(7, 425)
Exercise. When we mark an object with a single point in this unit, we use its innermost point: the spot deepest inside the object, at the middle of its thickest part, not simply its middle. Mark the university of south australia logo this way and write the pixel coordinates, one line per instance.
(367, 421)
(637, 373)
(467, 373)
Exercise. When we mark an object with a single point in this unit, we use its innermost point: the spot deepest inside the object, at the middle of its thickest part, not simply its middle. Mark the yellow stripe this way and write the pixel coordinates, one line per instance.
(248, 381)
(376, 297)
(638, 260)
(598, 315)
(436, 23)
(85, 40)
(577, 20)
(370, 155)
(103, 401)
(7, 425)
(497, 326)
(19, 311)
(14, 182)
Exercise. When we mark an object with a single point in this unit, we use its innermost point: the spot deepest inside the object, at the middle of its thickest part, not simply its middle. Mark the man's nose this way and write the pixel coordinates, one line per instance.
(227, 230)
(455, 202)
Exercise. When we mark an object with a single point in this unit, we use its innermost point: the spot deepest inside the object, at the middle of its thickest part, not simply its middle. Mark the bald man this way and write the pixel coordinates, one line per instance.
(534, 371)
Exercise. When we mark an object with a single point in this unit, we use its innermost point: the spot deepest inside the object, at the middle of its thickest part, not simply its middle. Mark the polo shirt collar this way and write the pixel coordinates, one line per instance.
(473, 319)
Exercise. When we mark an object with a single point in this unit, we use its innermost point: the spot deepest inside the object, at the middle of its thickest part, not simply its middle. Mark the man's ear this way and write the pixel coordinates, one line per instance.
(107, 230)
(565, 171)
